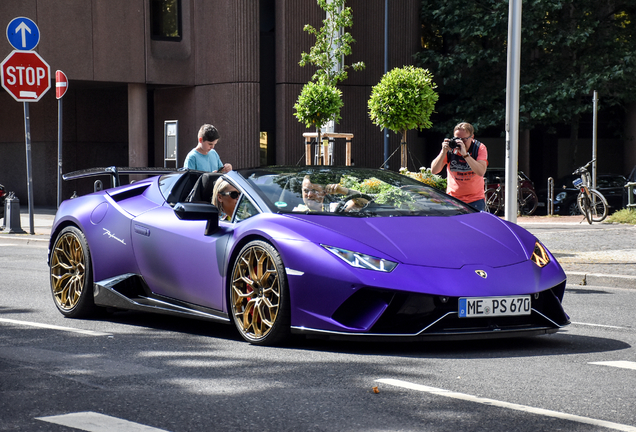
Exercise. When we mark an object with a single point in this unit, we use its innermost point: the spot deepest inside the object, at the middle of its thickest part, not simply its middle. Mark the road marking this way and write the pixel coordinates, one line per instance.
(598, 325)
(493, 402)
(618, 364)
(95, 422)
(54, 327)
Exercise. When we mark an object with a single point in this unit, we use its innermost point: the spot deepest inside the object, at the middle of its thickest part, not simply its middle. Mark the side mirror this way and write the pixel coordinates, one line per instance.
(199, 212)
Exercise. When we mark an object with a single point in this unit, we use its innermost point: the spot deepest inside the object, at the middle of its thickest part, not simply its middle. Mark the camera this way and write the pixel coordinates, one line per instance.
(454, 142)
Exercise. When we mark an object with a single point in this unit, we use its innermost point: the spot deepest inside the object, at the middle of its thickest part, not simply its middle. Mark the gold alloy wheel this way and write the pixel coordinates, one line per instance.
(256, 292)
(68, 271)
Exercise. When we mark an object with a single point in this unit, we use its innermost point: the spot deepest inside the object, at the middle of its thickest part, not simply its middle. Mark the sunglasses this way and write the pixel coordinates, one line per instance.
(233, 194)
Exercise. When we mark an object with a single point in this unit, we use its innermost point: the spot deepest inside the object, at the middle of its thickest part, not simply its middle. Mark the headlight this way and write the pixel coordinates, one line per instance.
(560, 196)
(540, 256)
(359, 260)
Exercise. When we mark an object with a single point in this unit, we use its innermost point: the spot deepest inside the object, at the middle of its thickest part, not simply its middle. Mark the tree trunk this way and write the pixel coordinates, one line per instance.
(403, 151)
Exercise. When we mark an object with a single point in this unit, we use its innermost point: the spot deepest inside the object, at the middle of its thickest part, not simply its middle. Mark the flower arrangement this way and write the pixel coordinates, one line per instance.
(427, 177)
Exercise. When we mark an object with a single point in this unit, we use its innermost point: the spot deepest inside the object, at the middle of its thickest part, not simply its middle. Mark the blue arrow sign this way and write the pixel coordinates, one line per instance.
(23, 34)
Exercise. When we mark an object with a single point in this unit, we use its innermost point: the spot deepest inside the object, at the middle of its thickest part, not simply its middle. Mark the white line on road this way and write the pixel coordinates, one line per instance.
(54, 327)
(618, 364)
(493, 402)
(95, 422)
(598, 325)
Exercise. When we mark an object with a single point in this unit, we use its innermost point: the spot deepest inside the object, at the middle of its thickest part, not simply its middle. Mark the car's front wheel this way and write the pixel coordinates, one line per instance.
(70, 273)
(259, 296)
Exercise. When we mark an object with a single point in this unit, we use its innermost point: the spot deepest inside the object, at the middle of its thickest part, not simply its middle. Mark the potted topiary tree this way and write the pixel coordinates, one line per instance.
(404, 99)
(320, 101)
(317, 104)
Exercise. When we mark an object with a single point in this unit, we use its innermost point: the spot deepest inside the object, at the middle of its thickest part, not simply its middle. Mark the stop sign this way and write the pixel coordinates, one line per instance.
(25, 75)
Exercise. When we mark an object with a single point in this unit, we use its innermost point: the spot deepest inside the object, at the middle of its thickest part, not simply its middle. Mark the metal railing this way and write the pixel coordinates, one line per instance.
(630, 195)
(550, 202)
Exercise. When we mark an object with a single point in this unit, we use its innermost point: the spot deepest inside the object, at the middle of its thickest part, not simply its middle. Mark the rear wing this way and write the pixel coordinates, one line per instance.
(114, 172)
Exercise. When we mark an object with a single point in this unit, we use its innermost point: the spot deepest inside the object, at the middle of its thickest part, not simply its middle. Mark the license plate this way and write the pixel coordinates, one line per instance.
(474, 307)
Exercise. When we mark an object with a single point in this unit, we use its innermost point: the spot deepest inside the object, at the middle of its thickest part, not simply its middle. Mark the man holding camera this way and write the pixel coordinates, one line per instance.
(466, 160)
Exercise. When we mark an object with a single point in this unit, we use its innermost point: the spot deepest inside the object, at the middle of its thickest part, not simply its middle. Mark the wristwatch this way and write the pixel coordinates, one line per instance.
(466, 155)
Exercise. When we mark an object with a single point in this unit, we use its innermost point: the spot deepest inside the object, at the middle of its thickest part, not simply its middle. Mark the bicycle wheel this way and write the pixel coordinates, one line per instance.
(598, 206)
(493, 201)
(585, 206)
(528, 201)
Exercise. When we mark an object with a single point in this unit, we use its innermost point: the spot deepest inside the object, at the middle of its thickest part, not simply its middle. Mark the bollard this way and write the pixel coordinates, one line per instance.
(12, 215)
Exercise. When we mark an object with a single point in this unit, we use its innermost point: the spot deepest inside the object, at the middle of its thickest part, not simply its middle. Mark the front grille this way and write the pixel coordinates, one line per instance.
(411, 313)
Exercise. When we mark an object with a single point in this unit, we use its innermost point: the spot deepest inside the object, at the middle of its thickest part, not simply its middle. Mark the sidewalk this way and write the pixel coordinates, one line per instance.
(599, 255)
(42, 223)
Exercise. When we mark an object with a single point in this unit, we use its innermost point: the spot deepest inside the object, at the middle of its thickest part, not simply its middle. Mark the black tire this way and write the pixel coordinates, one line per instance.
(585, 206)
(71, 274)
(259, 295)
(598, 206)
(493, 201)
(528, 201)
(574, 209)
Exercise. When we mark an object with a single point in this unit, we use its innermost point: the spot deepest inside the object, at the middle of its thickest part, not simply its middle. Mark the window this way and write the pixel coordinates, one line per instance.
(165, 20)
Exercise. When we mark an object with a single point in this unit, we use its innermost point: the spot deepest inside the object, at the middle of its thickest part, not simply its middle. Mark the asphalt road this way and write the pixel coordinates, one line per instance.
(139, 372)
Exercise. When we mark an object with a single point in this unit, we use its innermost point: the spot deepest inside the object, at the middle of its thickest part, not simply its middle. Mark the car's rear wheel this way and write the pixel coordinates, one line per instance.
(259, 295)
(70, 272)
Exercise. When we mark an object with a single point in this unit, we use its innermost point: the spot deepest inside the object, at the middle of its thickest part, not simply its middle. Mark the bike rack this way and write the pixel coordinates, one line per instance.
(630, 195)
(550, 196)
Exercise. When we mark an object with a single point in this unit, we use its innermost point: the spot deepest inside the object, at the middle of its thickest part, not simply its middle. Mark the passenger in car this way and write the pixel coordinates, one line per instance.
(224, 197)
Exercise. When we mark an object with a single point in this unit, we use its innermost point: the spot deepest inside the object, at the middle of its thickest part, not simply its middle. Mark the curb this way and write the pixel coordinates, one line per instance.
(601, 280)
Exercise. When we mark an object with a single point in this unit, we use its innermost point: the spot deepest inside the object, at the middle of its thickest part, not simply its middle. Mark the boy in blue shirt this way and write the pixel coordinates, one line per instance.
(203, 157)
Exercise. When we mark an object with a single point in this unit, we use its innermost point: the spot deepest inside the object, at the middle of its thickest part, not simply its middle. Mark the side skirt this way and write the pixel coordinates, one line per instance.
(130, 292)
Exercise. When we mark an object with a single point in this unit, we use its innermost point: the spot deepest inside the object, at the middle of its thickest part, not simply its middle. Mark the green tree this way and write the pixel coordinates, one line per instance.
(320, 101)
(404, 99)
(317, 104)
(333, 43)
(569, 49)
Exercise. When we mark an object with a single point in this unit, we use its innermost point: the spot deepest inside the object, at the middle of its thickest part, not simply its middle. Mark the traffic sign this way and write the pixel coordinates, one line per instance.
(61, 84)
(23, 34)
(25, 75)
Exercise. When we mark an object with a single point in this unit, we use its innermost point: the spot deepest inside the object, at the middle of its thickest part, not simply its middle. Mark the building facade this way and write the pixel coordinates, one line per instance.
(134, 64)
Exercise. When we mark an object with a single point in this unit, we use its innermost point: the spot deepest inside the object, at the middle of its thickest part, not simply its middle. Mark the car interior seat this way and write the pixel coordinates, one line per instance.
(203, 188)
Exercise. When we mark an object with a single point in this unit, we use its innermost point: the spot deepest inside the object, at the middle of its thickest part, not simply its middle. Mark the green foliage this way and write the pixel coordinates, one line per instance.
(383, 193)
(569, 49)
(625, 216)
(404, 99)
(320, 101)
(332, 44)
(427, 177)
(317, 104)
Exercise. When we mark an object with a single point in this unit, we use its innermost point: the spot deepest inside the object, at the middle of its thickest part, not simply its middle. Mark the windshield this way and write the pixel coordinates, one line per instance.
(350, 192)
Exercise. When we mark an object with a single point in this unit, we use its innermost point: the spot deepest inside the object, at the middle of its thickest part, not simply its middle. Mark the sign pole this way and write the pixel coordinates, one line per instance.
(27, 137)
(59, 152)
(61, 85)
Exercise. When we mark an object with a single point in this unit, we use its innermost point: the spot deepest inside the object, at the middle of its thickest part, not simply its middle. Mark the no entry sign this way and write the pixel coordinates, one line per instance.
(61, 84)
(25, 75)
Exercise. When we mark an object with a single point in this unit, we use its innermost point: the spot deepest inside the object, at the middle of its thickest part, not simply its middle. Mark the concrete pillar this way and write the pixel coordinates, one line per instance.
(137, 125)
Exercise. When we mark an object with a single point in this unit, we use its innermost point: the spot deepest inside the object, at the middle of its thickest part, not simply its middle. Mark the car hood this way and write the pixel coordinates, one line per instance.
(447, 242)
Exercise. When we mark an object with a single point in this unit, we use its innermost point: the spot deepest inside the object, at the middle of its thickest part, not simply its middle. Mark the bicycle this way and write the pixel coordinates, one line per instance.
(527, 200)
(591, 202)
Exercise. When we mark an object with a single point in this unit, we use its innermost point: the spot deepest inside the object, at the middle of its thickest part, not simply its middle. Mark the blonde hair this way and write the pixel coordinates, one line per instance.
(467, 127)
(219, 187)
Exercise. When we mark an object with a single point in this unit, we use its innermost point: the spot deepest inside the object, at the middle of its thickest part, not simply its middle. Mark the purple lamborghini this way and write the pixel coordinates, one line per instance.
(333, 252)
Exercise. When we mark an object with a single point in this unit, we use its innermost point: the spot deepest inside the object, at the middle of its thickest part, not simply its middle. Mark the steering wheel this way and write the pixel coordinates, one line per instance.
(341, 204)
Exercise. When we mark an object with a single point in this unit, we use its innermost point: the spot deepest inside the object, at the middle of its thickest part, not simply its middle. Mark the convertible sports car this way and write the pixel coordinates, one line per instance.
(323, 251)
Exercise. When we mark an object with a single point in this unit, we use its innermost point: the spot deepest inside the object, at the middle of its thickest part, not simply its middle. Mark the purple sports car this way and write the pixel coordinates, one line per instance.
(332, 252)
